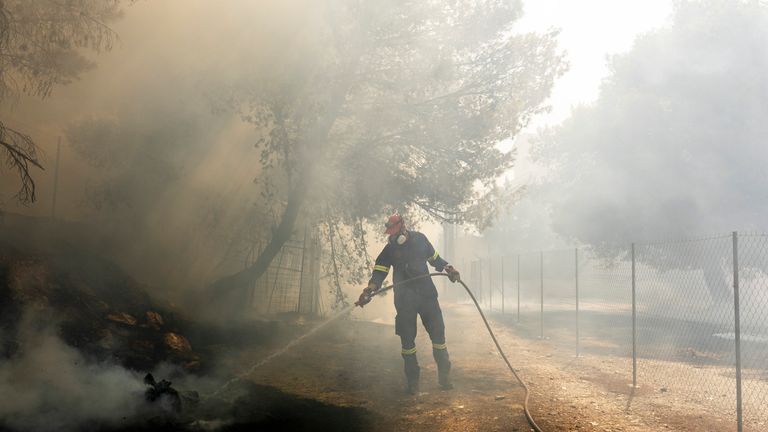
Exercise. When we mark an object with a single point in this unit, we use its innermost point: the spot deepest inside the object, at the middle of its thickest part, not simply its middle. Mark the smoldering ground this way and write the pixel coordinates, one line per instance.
(79, 336)
(48, 385)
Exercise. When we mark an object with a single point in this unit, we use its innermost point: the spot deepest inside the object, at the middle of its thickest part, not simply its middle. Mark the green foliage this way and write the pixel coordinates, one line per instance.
(414, 95)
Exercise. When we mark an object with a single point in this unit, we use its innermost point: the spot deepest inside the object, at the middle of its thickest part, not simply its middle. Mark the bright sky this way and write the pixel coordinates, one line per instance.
(591, 30)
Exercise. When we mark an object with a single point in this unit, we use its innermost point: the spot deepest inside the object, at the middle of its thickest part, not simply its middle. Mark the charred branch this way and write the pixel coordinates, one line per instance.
(20, 156)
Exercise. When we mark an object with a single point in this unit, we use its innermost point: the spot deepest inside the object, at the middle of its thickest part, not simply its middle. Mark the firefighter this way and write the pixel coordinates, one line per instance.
(408, 252)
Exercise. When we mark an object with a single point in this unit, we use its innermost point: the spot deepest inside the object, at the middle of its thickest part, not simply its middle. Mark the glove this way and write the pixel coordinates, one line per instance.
(453, 274)
(367, 295)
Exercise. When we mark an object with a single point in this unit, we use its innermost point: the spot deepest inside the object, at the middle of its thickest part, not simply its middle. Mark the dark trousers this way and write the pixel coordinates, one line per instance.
(410, 302)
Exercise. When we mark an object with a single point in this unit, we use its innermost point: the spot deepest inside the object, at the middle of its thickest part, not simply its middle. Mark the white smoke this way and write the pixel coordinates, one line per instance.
(48, 385)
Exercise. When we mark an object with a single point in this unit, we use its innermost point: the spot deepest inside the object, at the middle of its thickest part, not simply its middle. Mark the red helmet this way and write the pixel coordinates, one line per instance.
(393, 225)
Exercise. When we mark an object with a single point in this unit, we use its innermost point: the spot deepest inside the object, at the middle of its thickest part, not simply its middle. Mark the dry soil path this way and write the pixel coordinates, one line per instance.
(357, 364)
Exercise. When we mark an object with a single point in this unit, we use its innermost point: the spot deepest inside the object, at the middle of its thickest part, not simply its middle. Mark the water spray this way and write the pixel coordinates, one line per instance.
(381, 291)
(282, 350)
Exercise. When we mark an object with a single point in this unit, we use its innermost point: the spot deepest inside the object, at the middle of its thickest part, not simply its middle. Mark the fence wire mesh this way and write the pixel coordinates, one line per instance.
(290, 284)
(685, 311)
(530, 304)
(753, 300)
(684, 335)
(605, 305)
(559, 282)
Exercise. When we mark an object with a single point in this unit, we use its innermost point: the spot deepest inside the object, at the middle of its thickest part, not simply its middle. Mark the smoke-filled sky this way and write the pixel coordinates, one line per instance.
(141, 145)
(156, 81)
(165, 46)
(591, 31)
(670, 146)
(166, 55)
(143, 115)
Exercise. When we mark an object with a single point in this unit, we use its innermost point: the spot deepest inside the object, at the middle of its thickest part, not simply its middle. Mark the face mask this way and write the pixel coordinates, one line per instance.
(398, 238)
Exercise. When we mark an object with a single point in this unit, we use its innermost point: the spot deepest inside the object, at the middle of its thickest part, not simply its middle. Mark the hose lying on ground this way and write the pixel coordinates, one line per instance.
(379, 292)
(528, 415)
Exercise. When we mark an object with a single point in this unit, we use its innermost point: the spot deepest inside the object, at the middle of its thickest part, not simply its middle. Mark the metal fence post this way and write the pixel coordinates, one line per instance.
(737, 329)
(466, 269)
(576, 280)
(518, 288)
(56, 180)
(634, 323)
(541, 279)
(502, 284)
(490, 284)
(301, 272)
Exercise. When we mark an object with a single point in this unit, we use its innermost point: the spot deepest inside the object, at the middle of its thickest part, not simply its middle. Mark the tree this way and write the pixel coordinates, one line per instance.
(393, 105)
(41, 45)
(674, 146)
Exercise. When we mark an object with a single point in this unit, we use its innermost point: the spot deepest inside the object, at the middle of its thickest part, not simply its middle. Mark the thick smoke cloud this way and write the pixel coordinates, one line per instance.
(163, 179)
(49, 386)
(675, 145)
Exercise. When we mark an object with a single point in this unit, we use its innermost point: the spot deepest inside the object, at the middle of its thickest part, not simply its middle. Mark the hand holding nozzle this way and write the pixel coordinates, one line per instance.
(453, 274)
(367, 294)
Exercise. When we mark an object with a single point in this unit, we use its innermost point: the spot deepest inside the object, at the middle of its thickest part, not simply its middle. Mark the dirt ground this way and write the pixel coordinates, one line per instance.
(594, 393)
(357, 364)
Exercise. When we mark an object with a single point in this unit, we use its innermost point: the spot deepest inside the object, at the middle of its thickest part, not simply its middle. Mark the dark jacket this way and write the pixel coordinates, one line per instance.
(409, 260)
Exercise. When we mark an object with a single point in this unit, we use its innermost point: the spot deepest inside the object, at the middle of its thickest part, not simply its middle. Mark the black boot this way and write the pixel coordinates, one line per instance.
(443, 367)
(412, 372)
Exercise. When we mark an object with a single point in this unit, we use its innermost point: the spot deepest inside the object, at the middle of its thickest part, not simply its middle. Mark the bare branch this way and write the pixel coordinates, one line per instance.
(20, 156)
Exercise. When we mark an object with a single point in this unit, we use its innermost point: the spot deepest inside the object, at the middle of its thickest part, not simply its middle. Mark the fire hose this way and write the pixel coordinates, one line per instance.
(380, 292)
(528, 415)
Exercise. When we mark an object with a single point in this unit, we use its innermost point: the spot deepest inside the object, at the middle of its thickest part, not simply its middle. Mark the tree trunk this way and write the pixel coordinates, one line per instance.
(236, 286)
(243, 280)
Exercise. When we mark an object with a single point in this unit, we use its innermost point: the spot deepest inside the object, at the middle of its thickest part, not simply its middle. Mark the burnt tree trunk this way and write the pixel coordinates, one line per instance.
(243, 280)
(315, 141)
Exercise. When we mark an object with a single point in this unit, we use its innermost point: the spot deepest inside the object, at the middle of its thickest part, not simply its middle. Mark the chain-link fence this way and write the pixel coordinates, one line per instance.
(689, 317)
(291, 282)
(753, 321)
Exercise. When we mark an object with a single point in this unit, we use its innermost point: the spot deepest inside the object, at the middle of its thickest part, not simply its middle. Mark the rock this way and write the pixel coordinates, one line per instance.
(177, 342)
(123, 318)
(500, 397)
(98, 308)
(154, 319)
